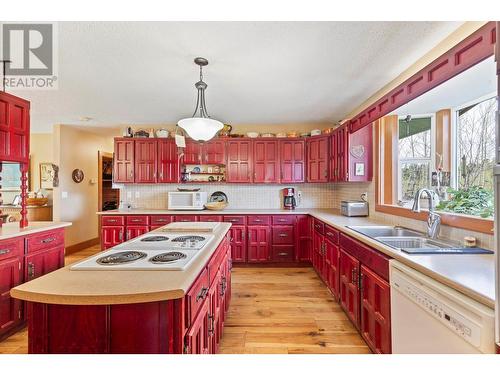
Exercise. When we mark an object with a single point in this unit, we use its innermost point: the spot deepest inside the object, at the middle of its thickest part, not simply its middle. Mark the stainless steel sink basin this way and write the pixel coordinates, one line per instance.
(414, 243)
(375, 231)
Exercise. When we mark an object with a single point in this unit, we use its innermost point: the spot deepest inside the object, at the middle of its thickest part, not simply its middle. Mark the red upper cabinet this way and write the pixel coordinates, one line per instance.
(14, 128)
(214, 152)
(192, 152)
(168, 161)
(124, 160)
(292, 155)
(317, 159)
(239, 161)
(146, 155)
(266, 161)
(351, 154)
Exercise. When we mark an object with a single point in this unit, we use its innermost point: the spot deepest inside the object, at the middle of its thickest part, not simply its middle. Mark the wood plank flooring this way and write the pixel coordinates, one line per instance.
(284, 311)
(273, 310)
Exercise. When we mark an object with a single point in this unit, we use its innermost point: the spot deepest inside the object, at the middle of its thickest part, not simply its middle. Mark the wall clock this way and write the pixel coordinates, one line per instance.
(77, 175)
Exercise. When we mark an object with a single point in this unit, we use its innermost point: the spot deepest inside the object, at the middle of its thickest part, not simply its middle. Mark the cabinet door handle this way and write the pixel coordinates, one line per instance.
(281, 220)
(211, 329)
(48, 240)
(31, 270)
(120, 235)
(282, 254)
(249, 236)
(354, 277)
(361, 281)
(257, 220)
(283, 235)
(4, 251)
(131, 174)
(202, 294)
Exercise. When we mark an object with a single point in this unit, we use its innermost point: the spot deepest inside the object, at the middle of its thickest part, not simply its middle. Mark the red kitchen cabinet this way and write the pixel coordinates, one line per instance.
(10, 308)
(332, 262)
(43, 262)
(210, 218)
(351, 155)
(146, 155)
(239, 167)
(14, 128)
(196, 340)
(135, 231)
(258, 249)
(237, 238)
(304, 238)
(292, 155)
(112, 236)
(214, 152)
(348, 282)
(192, 153)
(168, 161)
(317, 158)
(375, 311)
(185, 218)
(160, 220)
(123, 160)
(215, 296)
(266, 161)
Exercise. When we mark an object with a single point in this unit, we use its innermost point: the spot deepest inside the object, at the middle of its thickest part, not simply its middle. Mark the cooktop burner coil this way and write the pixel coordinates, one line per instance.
(169, 257)
(154, 239)
(188, 238)
(121, 257)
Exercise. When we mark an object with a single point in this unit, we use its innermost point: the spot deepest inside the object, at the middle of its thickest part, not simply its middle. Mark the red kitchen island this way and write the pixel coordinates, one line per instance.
(132, 311)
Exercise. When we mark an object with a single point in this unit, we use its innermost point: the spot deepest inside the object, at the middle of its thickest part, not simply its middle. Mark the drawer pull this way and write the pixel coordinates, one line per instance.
(281, 220)
(203, 293)
(4, 251)
(31, 270)
(161, 220)
(112, 220)
(283, 235)
(282, 254)
(135, 220)
(257, 220)
(48, 240)
(233, 220)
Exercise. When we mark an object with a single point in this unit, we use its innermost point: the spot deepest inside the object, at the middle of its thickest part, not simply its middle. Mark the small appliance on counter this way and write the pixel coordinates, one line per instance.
(354, 208)
(289, 202)
(186, 200)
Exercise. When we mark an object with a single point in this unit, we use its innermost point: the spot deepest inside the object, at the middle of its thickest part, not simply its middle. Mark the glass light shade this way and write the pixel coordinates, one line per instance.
(200, 128)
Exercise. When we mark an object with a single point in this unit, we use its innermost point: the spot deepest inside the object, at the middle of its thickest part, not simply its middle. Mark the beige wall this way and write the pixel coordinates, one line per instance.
(75, 148)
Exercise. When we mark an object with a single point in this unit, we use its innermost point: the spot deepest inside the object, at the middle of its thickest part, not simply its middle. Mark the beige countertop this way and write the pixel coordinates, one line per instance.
(68, 287)
(10, 230)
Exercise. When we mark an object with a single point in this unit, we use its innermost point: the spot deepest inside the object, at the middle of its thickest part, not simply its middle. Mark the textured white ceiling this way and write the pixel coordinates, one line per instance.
(259, 72)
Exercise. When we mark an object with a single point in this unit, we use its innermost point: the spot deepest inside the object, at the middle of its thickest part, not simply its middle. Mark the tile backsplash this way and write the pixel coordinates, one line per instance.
(239, 196)
(144, 196)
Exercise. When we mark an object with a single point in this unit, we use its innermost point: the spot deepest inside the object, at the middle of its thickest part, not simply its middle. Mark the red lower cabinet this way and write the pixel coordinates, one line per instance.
(10, 309)
(136, 231)
(375, 311)
(196, 339)
(43, 262)
(258, 244)
(237, 241)
(214, 313)
(112, 236)
(332, 261)
(349, 292)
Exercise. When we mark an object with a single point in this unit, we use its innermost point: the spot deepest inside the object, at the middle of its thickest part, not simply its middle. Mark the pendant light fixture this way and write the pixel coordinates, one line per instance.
(200, 126)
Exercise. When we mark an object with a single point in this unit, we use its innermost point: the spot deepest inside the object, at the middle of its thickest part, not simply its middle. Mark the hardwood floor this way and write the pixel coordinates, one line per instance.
(284, 311)
(273, 310)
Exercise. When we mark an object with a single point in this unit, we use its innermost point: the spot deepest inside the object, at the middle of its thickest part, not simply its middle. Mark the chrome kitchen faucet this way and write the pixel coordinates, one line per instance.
(433, 220)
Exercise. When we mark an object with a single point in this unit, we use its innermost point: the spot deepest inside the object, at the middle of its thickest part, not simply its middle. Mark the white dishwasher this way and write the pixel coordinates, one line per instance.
(429, 317)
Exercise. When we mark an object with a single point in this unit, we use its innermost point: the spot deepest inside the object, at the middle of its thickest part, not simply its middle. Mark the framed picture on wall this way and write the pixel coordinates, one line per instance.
(47, 174)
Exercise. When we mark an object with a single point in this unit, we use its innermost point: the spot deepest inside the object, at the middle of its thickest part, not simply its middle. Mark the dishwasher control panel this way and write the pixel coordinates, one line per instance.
(456, 322)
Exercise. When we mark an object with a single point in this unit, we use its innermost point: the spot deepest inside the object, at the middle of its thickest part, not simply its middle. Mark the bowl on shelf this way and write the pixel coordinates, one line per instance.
(281, 135)
(252, 134)
(215, 206)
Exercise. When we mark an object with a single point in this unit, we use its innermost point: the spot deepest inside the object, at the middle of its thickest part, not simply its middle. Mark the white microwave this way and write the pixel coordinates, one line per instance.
(186, 200)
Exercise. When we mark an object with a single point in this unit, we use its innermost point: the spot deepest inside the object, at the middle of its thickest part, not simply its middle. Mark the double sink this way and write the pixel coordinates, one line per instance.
(413, 242)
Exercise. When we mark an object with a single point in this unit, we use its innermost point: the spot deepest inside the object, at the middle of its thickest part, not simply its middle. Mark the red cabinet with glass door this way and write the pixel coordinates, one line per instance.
(239, 167)
(292, 158)
(317, 158)
(266, 161)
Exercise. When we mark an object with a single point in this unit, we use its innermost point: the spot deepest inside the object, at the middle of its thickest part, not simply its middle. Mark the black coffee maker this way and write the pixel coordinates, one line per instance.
(289, 202)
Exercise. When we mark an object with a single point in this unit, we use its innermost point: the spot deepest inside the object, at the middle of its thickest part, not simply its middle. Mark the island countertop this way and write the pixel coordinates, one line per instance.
(68, 287)
(11, 230)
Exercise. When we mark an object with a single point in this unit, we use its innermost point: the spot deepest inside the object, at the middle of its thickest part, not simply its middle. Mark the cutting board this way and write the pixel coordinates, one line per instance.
(191, 227)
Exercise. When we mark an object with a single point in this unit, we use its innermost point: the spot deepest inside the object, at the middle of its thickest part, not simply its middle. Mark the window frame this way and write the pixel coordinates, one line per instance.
(431, 159)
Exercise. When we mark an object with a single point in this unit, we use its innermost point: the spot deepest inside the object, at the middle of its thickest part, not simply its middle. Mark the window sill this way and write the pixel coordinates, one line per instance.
(473, 223)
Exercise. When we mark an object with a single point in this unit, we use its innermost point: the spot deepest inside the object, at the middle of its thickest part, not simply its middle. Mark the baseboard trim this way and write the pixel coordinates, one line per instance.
(82, 245)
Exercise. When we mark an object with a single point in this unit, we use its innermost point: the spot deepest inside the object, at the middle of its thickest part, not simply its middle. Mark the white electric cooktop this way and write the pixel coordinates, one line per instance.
(152, 251)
